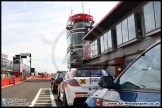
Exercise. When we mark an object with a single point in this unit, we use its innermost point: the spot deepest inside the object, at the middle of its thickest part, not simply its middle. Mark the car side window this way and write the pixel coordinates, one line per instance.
(83, 73)
(144, 73)
(103, 72)
(61, 75)
(90, 72)
(56, 76)
(66, 76)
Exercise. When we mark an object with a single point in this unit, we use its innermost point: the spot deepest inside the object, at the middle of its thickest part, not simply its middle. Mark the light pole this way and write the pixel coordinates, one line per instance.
(30, 64)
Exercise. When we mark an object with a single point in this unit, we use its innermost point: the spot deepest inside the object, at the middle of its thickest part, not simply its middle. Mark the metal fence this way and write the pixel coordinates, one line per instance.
(6, 74)
(26, 70)
(6, 65)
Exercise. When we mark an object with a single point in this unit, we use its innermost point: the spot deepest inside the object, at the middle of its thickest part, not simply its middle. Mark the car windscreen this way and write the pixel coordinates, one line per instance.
(90, 72)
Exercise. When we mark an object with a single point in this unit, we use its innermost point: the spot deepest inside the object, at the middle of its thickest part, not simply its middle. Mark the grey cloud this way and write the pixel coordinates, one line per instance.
(44, 40)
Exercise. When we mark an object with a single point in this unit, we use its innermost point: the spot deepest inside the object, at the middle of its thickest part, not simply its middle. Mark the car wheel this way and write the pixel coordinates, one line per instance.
(54, 89)
(51, 87)
(86, 105)
(64, 101)
(58, 96)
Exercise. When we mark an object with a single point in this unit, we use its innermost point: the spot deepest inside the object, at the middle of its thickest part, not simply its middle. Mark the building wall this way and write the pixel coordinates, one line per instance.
(3, 55)
(111, 69)
(129, 59)
(129, 50)
(6, 65)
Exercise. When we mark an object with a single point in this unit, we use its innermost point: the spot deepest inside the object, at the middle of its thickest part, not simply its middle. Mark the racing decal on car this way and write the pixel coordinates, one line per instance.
(78, 95)
(81, 95)
(94, 88)
(84, 95)
(94, 79)
(103, 93)
(114, 94)
(82, 81)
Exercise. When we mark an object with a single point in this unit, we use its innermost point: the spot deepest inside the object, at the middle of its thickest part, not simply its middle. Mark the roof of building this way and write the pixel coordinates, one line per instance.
(122, 8)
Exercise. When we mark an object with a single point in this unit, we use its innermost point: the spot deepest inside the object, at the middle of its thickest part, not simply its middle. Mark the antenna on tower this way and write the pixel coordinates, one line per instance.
(71, 11)
(83, 13)
(89, 11)
(83, 7)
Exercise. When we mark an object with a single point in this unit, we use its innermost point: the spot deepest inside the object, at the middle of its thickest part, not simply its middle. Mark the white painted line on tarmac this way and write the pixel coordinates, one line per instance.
(46, 88)
(44, 94)
(52, 99)
(42, 103)
(7, 86)
(43, 100)
(15, 83)
(44, 97)
(36, 98)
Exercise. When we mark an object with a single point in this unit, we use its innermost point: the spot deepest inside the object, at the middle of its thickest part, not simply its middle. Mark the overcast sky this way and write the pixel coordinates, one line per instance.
(38, 27)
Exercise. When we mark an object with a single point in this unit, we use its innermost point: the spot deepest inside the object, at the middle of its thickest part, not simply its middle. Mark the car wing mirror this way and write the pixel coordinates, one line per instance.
(105, 81)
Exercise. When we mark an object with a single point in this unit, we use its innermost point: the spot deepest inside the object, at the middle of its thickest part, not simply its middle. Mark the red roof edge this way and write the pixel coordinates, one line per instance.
(113, 9)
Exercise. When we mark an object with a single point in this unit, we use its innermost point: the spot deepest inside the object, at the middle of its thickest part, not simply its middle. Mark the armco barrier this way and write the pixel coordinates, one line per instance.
(17, 80)
(7, 81)
(12, 79)
(36, 76)
(41, 76)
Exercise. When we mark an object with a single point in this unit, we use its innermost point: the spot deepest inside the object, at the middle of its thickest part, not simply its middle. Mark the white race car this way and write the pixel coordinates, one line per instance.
(78, 84)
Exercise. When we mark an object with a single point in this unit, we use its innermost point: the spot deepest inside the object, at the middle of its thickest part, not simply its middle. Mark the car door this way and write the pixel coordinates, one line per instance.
(62, 85)
(140, 83)
(88, 79)
(125, 98)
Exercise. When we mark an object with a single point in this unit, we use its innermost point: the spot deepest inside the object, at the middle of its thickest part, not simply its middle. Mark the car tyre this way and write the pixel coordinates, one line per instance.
(54, 89)
(64, 100)
(51, 87)
(58, 96)
(86, 105)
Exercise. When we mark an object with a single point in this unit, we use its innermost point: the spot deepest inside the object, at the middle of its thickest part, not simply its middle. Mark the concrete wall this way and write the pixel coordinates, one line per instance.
(111, 69)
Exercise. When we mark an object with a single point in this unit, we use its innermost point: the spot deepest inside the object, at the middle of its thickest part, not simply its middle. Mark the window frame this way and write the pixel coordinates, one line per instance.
(156, 29)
